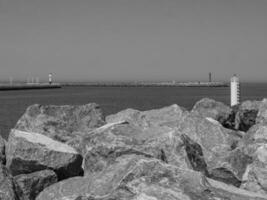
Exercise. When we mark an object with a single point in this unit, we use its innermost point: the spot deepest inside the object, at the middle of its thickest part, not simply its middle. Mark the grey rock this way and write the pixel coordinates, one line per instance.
(246, 115)
(262, 114)
(2, 150)
(7, 189)
(61, 123)
(168, 116)
(30, 152)
(212, 109)
(105, 144)
(28, 186)
(255, 145)
(211, 149)
(138, 178)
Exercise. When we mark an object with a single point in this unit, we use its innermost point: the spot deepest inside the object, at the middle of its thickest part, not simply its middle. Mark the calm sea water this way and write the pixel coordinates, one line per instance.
(114, 99)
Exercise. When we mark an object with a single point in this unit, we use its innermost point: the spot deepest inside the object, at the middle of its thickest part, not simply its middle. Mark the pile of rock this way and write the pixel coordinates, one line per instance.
(71, 152)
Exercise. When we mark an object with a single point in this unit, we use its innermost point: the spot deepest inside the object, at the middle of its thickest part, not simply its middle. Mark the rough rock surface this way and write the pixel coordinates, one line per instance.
(29, 152)
(102, 146)
(212, 109)
(255, 144)
(246, 115)
(7, 191)
(211, 149)
(166, 153)
(144, 178)
(28, 186)
(2, 150)
(167, 116)
(61, 122)
(150, 133)
(262, 114)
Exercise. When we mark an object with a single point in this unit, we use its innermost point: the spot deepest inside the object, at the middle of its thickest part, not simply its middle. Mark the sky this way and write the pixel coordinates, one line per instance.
(132, 40)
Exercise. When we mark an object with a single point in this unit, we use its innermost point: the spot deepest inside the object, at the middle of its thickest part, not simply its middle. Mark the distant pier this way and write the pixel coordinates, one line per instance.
(29, 86)
(149, 84)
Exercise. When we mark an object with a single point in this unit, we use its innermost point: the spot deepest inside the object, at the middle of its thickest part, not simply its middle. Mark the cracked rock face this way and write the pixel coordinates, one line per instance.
(2, 150)
(100, 148)
(7, 189)
(28, 186)
(212, 109)
(61, 123)
(29, 152)
(211, 148)
(168, 116)
(246, 116)
(140, 178)
(166, 153)
(262, 114)
(255, 144)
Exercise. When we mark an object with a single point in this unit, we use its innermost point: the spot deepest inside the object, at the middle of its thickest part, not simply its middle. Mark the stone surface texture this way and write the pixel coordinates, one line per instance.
(7, 188)
(213, 152)
(28, 186)
(29, 152)
(61, 123)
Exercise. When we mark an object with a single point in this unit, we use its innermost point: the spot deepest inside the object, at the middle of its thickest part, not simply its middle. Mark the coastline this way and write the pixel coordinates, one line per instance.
(149, 84)
(29, 86)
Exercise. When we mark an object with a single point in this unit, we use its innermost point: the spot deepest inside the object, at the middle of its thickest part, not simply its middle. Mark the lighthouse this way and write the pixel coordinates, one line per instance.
(234, 90)
(50, 78)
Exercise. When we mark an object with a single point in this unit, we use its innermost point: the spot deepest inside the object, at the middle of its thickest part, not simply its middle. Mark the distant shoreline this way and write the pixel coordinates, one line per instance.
(28, 86)
(144, 84)
(21, 86)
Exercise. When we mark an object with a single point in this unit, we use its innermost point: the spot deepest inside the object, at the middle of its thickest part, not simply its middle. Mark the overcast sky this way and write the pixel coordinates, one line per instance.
(133, 39)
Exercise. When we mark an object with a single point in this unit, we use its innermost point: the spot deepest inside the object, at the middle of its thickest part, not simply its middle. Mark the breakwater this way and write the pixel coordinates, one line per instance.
(173, 152)
(29, 86)
(149, 84)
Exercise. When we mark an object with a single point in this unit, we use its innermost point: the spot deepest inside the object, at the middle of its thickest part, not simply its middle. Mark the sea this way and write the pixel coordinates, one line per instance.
(114, 99)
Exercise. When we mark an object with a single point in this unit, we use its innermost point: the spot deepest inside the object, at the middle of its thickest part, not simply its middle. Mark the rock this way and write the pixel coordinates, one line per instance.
(212, 109)
(7, 191)
(211, 149)
(134, 132)
(30, 152)
(28, 186)
(246, 115)
(2, 151)
(144, 178)
(61, 123)
(255, 145)
(262, 114)
(167, 116)
(104, 144)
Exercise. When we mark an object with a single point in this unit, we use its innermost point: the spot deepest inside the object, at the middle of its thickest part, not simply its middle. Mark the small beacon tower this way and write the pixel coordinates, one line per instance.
(50, 79)
(234, 90)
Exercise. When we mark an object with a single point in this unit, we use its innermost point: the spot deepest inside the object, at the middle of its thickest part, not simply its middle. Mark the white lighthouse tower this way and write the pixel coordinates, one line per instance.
(234, 90)
(50, 79)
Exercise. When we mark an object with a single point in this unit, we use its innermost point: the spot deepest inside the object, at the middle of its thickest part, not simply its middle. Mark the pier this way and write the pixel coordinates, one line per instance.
(149, 84)
(29, 86)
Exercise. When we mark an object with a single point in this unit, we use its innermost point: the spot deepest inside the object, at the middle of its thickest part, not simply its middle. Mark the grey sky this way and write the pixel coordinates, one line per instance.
(133, 39)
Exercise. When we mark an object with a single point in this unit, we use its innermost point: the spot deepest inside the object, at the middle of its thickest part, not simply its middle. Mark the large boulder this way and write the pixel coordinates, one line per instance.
(255, 145)
(61, 122)
(168, 116)
(28, 186)
(211, 148)
(110, 142)
(212, 109)
(137, 178)
(29, 152)
(134, 132)
(7, 188)
(2, 150)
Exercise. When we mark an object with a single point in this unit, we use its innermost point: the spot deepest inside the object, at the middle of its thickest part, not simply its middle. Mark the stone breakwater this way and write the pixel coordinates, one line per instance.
(213, 152)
